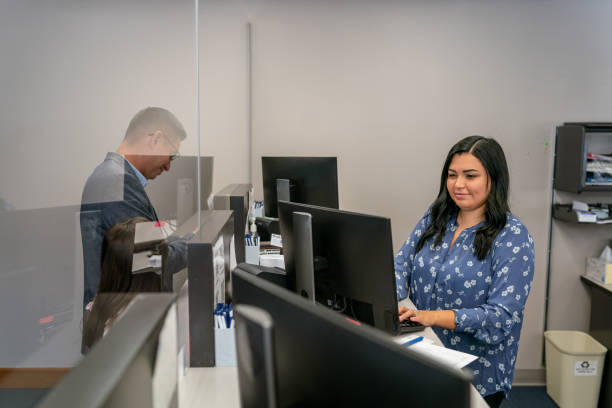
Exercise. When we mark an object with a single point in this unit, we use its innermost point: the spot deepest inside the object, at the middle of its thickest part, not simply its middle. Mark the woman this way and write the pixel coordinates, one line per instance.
(119, 282)
(468, 265)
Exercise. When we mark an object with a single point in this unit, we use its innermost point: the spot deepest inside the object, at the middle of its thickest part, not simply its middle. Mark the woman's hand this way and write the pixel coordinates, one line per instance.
(442, 318)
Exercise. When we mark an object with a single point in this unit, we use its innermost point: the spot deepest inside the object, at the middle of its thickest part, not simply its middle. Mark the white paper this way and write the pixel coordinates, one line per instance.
(585, 216)
(219, 271)
(606, 255)
(580, 206)
(407, 337)
(443, 355)
(233, 262)
(276, 240)
(272, 260)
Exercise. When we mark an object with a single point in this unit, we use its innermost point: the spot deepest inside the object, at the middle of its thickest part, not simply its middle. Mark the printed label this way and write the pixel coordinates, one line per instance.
(584, 367)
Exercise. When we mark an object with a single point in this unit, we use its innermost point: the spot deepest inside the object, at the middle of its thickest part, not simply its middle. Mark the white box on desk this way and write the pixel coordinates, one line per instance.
(225, 347)
(599, 270)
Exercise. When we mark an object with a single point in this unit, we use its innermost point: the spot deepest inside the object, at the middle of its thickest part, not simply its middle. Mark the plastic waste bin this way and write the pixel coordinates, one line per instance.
(574, 364)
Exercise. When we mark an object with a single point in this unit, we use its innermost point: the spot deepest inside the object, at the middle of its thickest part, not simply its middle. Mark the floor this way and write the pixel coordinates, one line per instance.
(523, 396)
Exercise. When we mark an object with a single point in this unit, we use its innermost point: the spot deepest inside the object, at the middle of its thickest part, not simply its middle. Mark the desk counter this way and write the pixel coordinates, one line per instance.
(218, 386)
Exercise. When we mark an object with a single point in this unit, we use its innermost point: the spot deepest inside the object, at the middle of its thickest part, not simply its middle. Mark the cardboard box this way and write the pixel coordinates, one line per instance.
(598, 270)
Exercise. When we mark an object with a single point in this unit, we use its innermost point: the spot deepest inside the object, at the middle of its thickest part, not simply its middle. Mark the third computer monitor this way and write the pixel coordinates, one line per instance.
(310, 180)
(353, 262)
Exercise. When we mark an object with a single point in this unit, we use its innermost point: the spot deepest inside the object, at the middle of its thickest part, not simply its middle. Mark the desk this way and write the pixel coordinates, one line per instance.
(218, 386)
(600, 327)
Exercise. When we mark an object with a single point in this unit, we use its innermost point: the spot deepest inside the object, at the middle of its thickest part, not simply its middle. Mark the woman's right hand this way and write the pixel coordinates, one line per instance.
(405, 313)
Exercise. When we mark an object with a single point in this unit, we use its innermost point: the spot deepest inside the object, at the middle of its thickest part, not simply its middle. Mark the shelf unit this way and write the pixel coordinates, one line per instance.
(572, 241)
(574, 141)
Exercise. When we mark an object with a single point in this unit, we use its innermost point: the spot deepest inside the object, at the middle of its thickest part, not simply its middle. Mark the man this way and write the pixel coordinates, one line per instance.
(115, 190)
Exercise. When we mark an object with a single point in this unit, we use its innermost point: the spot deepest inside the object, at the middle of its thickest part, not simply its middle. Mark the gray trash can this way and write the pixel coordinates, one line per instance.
(574, 364)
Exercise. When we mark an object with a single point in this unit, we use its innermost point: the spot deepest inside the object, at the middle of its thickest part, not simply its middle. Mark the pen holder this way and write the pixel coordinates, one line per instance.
(251, 254)
(225, 347)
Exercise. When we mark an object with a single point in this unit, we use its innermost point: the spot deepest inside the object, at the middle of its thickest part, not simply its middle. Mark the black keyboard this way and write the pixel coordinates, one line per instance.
(408, 326)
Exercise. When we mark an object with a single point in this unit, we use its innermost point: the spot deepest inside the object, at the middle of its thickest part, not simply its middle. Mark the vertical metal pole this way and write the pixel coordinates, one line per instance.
(197, 102)
(249, 106)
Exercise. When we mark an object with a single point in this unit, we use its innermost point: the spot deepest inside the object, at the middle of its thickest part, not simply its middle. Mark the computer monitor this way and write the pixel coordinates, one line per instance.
(210, 259)
(353, 262)
(324, 359)
(174, 194)
(134, 364)
(236, 197)
(310, 180)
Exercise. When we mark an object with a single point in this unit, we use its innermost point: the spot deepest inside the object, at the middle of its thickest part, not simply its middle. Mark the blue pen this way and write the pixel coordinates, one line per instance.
(412, 341)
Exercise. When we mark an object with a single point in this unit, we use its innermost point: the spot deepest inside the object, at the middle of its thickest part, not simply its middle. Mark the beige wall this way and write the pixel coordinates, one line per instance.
(386, 86)
(389, 86)
(74, 73)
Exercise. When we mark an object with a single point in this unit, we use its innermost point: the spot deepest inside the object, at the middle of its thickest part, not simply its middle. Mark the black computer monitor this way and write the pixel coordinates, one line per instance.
(311, 180)
(324, 359)
(353, 262)
(210, 258)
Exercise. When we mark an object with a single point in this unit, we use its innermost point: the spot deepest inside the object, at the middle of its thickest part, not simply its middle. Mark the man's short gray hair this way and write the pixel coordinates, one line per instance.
(151, 119)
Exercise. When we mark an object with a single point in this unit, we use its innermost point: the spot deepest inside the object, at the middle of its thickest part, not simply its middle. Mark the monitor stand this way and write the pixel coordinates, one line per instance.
(256, 362)
(283, 190)
(304, 259)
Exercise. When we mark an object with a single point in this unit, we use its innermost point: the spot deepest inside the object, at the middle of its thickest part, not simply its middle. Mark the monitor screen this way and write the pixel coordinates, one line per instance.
(353, 262)
(236, 197)
(312, 180)
(324, 359)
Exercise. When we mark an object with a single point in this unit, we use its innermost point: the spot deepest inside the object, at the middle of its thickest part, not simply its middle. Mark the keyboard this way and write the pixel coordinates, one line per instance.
(408, 326)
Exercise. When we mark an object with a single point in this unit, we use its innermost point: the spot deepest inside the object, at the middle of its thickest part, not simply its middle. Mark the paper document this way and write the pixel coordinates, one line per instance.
(272, 260)
(405, 338)
(579, 206)
(444, 355)
(584, 216)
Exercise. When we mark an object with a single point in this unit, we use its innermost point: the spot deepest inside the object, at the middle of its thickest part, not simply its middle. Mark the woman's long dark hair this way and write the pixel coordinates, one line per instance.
(118, 285)
(492, 157)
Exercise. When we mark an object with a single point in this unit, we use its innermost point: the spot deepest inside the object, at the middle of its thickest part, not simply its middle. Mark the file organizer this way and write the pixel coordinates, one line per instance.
(207, 286)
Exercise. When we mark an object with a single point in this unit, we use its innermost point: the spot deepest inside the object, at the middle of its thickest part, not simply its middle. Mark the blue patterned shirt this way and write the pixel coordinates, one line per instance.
(488, 297)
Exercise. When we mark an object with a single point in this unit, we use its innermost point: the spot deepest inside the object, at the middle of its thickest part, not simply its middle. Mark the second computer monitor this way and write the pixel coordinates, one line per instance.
(311, 180)
(352, 262)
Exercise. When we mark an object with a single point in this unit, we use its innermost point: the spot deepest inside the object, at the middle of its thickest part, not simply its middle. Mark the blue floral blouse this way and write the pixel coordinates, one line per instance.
(488, 297)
